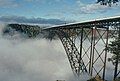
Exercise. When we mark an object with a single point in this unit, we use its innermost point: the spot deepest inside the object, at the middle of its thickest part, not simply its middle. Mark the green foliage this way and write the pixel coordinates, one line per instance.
(29, 30)
(107, 2)
(114, 48)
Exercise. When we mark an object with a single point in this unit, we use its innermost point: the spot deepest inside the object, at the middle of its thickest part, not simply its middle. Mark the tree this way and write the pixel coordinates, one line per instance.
(107, 2)
(114, 47)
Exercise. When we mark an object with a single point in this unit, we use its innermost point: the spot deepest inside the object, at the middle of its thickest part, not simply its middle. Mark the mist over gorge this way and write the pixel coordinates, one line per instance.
(35, 59)
(32, 59)
(52, 40)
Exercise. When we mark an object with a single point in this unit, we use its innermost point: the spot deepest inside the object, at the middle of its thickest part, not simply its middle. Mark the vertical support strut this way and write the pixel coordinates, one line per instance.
(91, 53)
(81, 39)
(106, 46)
(98, 55)
(93, 49)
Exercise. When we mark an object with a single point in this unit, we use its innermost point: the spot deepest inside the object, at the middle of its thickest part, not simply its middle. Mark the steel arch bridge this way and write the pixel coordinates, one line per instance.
(86, 44)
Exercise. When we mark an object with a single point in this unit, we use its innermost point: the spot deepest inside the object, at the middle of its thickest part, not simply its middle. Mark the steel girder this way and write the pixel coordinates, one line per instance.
(81, 46)
(74, 56)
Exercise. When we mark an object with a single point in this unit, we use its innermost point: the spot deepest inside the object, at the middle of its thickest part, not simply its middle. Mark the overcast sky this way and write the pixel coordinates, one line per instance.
(66, 10)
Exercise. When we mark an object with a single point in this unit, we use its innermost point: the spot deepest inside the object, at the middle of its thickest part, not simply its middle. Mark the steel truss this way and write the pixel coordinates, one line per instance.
(83, 56)
(82, 40)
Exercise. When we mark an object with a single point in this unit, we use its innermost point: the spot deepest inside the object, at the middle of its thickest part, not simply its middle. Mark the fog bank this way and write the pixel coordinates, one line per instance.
(35, 60)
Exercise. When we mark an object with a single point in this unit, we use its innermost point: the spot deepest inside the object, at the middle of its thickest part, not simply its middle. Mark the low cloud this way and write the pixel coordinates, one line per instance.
(33, 60)
(41, 0)
(8, 3)
(90, 8)
(38, 60)
(93, 8)
(20, 19)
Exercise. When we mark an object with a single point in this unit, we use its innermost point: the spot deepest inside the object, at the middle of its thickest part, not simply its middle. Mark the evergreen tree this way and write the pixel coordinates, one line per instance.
(107, 2)
(114, 47)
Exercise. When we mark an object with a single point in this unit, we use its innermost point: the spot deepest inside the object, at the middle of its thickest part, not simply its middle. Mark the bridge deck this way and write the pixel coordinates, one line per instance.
(90, 23)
